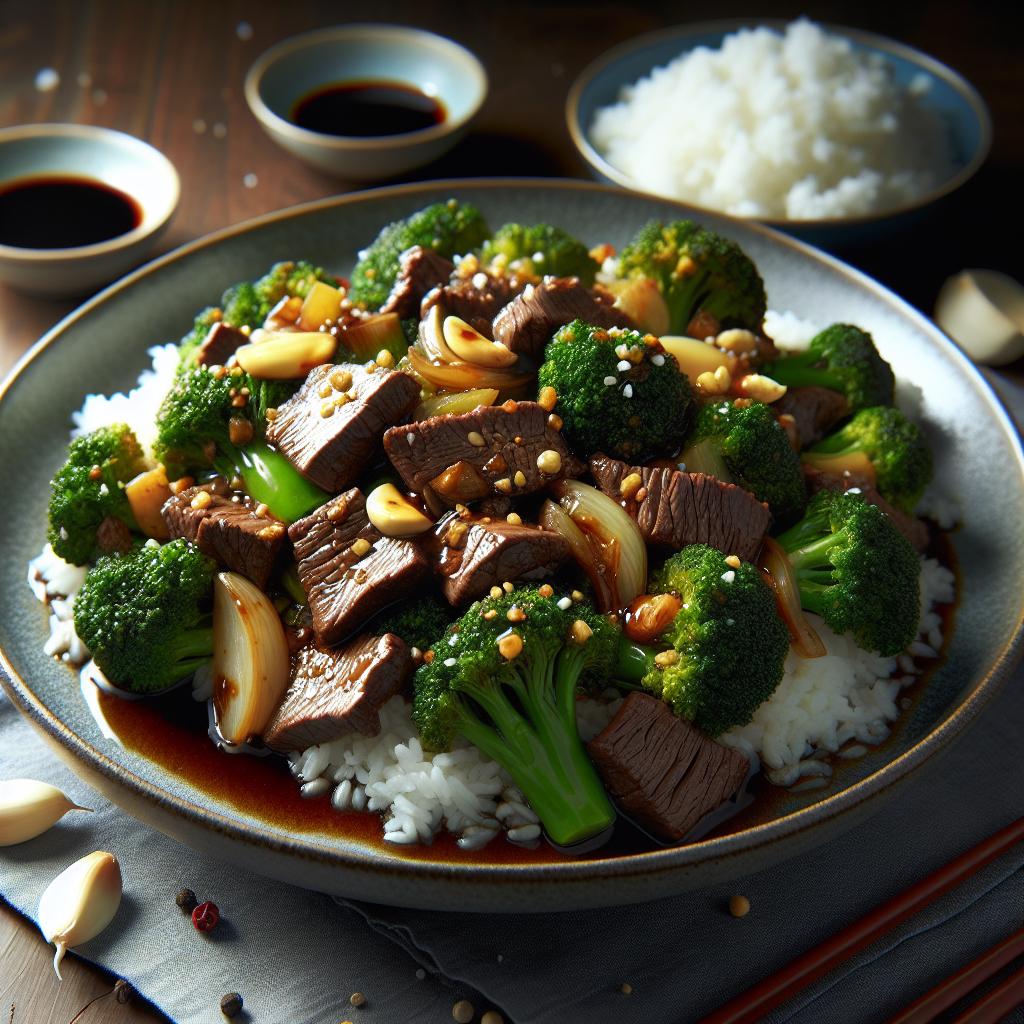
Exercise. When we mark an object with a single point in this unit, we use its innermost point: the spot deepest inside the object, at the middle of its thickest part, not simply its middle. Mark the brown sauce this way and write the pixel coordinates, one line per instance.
(55, 212)
(367, 109)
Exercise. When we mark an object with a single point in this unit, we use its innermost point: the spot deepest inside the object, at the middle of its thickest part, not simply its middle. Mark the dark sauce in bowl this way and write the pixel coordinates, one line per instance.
(57, 212)
(367, 109)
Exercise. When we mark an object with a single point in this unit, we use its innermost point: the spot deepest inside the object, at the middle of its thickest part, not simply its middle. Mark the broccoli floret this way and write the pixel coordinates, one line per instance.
(842, 358)
(508, 685)
(643, 413)
(728, 644)
(537, 250)
(696, 271)
(418, 622)
(895, 447)
(194, 431)
(743, 443)
(89, 488)
(856, 570)
(451, 228)
(145, 615)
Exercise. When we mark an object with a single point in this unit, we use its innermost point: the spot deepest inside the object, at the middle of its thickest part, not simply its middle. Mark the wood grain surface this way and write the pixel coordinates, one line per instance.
(172, 73)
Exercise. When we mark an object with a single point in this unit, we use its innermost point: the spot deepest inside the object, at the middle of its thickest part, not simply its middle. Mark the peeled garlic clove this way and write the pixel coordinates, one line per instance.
(28, 808)
(392, 513)
(469, 344)
(80, 902)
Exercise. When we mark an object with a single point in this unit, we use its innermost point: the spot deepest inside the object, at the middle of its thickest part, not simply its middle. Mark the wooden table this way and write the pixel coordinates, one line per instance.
(172, 73)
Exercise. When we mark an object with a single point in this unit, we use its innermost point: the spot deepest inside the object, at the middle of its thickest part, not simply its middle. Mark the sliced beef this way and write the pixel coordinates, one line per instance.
(419, 270)
(473, 556)
(348, 570)
(815, 411)
(526, 324)
(231, 528)
(477, 299)
(674, 509)
(910, 526)
(330, 429)
(113, 534)
(220, 344)
(664, 773)
(491, 450)
(334, 693)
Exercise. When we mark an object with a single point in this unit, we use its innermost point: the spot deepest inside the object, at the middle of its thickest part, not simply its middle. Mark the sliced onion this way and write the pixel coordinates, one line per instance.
(459, 376)
(251, 666)
(619, 550)
(856, 464)
(432, 337)
(458, 402)
(778, 570)
(366, 338)
(553, 517)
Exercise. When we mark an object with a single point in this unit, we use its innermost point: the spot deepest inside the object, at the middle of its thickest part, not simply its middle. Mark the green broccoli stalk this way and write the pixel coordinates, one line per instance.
(145, 615)
(419, 622)
(728, 644)
(743, 443)
(856, 570)
(696, 271)
(452, 228)
(89, 488)
(895, 447)
(195, 425)
(617, 391)
(841, 358)
(537, 250)
(505, 678)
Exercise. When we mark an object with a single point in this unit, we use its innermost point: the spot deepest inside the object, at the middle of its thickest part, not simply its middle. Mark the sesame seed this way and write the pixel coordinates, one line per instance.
(360, 546)
(510, 646)
(410, 438)
(515, 614)
(610, 381)
(507, 587)
(658, 359)
(623, 365)
(577, 595)
(580, 632)
(479, 280)
(565, 603)
(547, 398)
(621, 350)
(730, 622)
(504, 485)
(490, 614)
(514, 519)
(549, 461)
(666, 658)
(357, 999)
(450, 662)
(476, 439)
(519, 478)
(630, 485)
(327, 410)
(729, 577)
(627, 391)
(495, 592)
(733, 560)
(202, 500)
(546, 590)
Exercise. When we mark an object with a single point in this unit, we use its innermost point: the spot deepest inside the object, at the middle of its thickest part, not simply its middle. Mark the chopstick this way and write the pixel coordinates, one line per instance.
(995, 1005)
(751, 1005)
(965, 980)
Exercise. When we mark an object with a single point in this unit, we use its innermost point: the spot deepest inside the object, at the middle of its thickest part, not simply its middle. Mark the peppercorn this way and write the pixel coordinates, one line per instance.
(186, 900)
(123, 992)
(463, 1011)
(739, 906)
(205, 916)
(231, 1004)
(357, 999)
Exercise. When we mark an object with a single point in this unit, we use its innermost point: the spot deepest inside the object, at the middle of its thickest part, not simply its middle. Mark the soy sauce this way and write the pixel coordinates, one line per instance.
(366, 109)
(55, 212)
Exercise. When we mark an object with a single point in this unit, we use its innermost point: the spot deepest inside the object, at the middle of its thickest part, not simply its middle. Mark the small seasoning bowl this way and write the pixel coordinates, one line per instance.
(301, 66)
(95, 156)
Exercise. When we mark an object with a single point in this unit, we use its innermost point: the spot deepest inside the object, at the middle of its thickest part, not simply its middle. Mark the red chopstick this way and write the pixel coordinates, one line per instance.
(957, 985)
(751, 1005)
(994, 1006)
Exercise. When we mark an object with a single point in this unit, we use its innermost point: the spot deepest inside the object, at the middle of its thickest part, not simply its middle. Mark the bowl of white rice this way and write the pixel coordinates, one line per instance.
(828, 133)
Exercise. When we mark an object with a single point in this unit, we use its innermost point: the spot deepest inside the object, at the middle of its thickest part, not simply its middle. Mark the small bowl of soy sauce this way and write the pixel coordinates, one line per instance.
(79, 206)
(366, 102)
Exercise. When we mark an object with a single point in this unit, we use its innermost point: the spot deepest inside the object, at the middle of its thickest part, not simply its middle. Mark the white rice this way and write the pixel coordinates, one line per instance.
(836, 704)
(800, 125)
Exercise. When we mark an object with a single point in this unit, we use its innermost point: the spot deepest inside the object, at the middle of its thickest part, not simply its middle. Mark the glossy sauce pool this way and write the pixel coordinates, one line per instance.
(172, 732)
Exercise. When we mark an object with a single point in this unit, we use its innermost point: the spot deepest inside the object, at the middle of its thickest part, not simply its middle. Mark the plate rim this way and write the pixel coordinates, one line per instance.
(309, 846)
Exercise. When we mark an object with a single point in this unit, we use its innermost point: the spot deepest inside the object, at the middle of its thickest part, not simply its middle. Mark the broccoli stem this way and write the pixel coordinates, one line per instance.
(191, 650)
(271, 479)
(706, 457)
(792, 372)
(544, 755)
(815, 553)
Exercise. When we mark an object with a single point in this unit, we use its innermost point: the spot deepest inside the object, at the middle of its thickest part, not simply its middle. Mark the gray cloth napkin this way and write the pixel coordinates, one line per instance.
(296, 956)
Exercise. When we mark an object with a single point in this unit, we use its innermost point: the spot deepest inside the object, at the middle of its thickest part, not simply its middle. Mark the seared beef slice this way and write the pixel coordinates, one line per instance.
(472, 557)
(815, 411)
(477, 299)
(492, 450)
(348, 570)
(419, 270)
(330, 428)
(220, 344)
(337, 692)
(232, 529)
(675, 509)
(664, 772)
(526, 324)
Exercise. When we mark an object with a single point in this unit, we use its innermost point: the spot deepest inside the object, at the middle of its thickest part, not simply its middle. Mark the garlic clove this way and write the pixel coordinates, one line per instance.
(28, 808)
(80, 902)
(469, 344)
(393, 514)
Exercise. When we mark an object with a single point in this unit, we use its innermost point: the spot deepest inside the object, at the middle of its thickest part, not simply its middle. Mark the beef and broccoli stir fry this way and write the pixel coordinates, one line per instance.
(489, 472)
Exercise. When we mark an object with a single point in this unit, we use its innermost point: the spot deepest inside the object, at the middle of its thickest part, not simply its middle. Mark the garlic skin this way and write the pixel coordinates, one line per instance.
(28, 808)
(80, 902)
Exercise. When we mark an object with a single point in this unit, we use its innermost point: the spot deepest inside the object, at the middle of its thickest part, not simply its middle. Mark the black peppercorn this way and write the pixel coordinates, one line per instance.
(186, 900)
(231, 1004)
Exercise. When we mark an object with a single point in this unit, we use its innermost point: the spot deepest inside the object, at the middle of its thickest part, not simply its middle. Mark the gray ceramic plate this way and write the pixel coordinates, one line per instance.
(102, 348)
